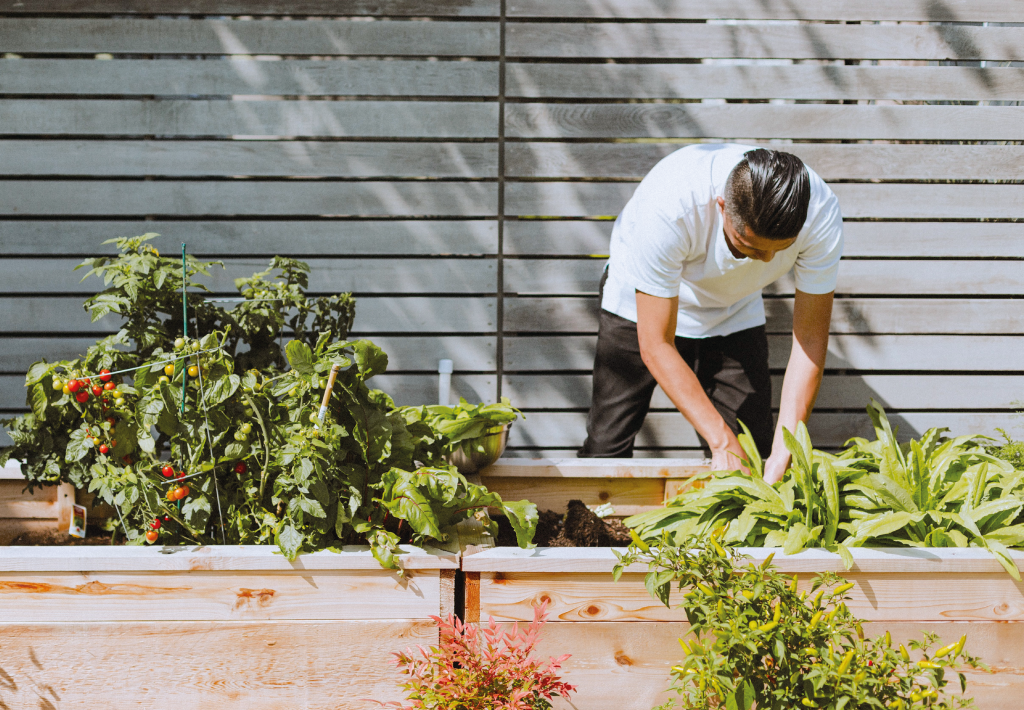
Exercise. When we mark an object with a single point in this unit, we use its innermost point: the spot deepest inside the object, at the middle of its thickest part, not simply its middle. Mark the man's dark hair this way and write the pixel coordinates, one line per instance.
(768, 191)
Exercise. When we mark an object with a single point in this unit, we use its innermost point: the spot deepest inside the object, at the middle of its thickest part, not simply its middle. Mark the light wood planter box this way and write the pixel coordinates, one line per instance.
(203, 628)
(631, 485)
(623, 642)
(44, 509)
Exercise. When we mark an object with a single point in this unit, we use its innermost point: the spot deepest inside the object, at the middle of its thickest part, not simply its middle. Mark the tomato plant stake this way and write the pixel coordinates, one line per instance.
(184, 317)
(327, 395)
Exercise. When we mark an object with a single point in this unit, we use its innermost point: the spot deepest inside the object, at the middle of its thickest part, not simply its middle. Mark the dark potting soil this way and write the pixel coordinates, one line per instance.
(579, 527)
(52, 538)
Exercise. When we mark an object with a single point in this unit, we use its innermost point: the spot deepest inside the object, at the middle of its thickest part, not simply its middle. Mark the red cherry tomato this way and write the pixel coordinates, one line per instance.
(110, 385)
(87, 381)
(152, 536)
(97, 390)
(74, 386)
(155, 524)
(167, 518)
(113, 443)
(168, 471)
(240, 467)
(105, 375)
(181, 474)
(111, 421)
(104, 448)
(82, 397)
(181, 493)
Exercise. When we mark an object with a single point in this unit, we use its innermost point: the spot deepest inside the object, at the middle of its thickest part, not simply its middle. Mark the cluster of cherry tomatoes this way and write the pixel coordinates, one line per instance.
(102, 446)
(153, 534)
(81, 389)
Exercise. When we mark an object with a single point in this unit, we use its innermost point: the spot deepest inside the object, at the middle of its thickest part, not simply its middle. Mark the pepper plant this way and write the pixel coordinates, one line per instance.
(200, 445)
(755, 640)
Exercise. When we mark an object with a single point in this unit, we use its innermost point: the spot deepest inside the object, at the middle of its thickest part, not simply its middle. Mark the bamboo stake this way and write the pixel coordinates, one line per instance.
(327, 395)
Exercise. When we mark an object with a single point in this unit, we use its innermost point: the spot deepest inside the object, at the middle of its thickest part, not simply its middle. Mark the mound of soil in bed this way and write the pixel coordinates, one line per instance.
(579, 527)
(53, 538)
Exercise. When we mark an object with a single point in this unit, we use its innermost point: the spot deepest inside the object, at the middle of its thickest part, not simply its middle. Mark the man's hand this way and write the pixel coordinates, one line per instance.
(776, 466)
(730, 458)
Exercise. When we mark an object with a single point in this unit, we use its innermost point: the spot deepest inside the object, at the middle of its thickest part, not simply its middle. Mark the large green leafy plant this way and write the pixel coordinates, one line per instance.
(755, 640)
(194, 448)
(932, 492)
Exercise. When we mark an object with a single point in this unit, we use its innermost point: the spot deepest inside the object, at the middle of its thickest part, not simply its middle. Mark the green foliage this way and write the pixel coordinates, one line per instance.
(1009, 450)
(934, 492)
(260, 466)
(755, 640)
(465, 420)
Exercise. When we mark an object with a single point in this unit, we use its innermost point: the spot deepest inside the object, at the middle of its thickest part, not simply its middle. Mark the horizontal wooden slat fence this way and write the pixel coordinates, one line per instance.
(458, 163)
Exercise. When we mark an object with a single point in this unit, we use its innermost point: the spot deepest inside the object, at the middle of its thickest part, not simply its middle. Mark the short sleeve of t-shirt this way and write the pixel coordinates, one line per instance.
(653, 264)
(817, 267)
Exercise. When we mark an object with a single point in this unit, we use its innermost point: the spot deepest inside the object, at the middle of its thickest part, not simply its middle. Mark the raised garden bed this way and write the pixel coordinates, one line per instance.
(623, 642)
(211, 627)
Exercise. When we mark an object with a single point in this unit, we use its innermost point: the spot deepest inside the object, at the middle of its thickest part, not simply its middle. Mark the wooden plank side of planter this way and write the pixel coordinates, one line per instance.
(202, 665)
(625, 666)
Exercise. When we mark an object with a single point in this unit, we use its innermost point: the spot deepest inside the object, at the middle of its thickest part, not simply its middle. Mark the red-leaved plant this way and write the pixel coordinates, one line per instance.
(477, 668)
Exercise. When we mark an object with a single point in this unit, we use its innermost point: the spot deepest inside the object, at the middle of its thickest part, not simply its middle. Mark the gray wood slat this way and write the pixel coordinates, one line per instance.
(917, 353)
(936, 239)
(167, 77)
(246, 37)
(397, 8)
(763, 41)
(859, 277)
(96, 197)
(366, 275)
(347, 159)
(823, 82)
(296, 119)
(414, 390)
(837, 391)
(767, 121)
(965, 316)
(828, 430)
(294, 238)
(871, 10)
(374, 314)
(880, 201)
(832, 161)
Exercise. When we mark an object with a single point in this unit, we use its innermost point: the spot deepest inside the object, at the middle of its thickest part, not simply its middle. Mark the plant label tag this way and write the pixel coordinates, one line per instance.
(77, 528)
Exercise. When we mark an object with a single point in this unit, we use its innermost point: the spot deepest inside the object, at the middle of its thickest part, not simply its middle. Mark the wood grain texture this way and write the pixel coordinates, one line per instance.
(370, 199)
(15, 502)
(322, 37)
(348, 159)
(65, 505)
(829, 430)
(207, 665)
(850, 392)
(397, 8)
(763, 121)
(593, 468)
(762, 41)
(24, 276)
(950, 353)
(857, 201)
(832, 161)
(289, 77)
(901, 316)
(259, 237)
(703, 81)
(872, 10)
(905, 239)
(625, 665)
(626, 496)
(208, 118)
(858, 278)
(374, 316)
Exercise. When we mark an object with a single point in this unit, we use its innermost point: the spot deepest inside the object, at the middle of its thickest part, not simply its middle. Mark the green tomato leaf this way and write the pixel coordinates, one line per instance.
(370, 359)
(300, 357)
(289, 540)
(37, 372)
(77, 447)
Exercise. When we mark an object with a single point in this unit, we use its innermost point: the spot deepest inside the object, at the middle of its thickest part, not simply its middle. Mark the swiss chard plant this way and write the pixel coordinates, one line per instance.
(932, 492)
(208, 440)
(757, 640)
(464, 421)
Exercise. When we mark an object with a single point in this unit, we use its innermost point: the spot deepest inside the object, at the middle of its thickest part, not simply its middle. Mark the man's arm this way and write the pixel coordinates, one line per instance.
(656, 328)
(812, 314)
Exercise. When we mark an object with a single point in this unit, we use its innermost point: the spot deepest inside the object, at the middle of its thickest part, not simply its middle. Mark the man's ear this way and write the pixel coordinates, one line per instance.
(721, 203)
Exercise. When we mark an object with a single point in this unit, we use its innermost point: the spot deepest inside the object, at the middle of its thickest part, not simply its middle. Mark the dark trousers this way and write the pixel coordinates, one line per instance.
(732, 369)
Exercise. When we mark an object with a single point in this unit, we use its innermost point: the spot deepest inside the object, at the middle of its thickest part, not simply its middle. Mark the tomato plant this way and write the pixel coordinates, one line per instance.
(258, 470)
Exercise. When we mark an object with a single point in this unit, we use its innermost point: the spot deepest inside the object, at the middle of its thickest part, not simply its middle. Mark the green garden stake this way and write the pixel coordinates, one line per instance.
(184, 322)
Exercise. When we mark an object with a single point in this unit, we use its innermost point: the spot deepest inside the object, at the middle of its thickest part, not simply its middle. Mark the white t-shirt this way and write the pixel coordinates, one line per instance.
(668, 241)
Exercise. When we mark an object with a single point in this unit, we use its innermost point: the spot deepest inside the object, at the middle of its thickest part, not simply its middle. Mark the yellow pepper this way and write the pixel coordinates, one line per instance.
(686, 649)
(753, 624)
(721, 609)
(959, 646)
(860, 631)
(792, 587)
(844, 665)
(916, 697)
(903, 653)
(807, 702)
(944, 651)
(704, 588)
(778, 612)
(814, 621)
(767, 561)
(897, 704)
(638, 542)
(888, 640)
(718, 548)
(817, 598)
(768, 627)
(928, 664)
(843, 588)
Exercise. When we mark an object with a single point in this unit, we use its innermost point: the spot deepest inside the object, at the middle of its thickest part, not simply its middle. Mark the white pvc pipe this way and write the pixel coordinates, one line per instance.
(444, 381)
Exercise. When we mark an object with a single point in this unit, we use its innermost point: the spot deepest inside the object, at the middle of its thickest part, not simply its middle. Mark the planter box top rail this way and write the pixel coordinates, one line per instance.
(866, 560)
(249, 558)
(596, 468)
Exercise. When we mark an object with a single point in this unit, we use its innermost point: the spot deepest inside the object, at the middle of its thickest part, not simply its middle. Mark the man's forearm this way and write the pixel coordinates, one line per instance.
(681, 385)
(799, 389)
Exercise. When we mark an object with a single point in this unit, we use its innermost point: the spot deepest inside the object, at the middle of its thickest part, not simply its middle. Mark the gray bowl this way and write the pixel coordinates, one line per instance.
(474, 455)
